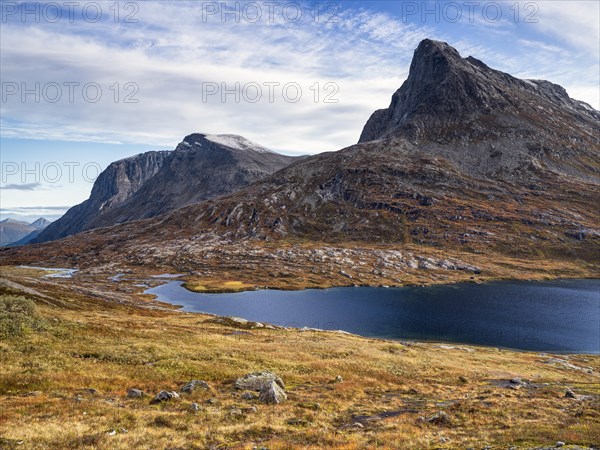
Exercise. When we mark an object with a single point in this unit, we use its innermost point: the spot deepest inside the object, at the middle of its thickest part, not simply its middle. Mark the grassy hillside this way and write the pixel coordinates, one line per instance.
(69, 352)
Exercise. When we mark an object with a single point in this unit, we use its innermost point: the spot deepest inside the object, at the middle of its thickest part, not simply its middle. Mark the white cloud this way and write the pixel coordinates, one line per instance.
(171, 52)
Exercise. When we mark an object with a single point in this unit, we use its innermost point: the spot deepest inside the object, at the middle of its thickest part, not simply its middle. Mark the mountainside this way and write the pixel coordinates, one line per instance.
(12, 230)
(201, 167)
(16, 232)
(467, 161)
(119, 181)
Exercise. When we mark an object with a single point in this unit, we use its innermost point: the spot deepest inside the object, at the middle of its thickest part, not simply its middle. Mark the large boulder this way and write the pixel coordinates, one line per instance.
(255, 381)
(272, 393)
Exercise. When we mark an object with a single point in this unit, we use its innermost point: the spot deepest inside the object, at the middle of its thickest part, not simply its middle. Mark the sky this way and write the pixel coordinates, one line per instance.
(84, 85)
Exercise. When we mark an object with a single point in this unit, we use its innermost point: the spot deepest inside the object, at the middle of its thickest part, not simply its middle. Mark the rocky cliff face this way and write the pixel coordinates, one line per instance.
(201, 167)
(117, 183)
(447, 98)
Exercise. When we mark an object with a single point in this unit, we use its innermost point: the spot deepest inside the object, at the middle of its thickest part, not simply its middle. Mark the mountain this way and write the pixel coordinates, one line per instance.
(203, 166)
(119, 181)
(467, 160)
(40, 224)
(16, 232)
(485, 120)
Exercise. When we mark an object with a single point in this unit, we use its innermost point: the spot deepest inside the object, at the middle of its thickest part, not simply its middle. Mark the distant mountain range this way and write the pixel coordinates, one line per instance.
(16, 232)
(465, 157)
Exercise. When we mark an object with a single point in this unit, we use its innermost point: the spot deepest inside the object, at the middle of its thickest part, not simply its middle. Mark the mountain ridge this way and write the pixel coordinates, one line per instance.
(202, 166)
(18, 232)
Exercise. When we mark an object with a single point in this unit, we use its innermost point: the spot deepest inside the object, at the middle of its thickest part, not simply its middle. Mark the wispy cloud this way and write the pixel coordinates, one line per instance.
(172, 52)
(29, 209)
(22, 187)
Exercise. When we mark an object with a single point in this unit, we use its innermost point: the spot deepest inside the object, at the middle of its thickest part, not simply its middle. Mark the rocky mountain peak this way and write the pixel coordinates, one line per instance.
(448, 98)
(434, 58)
(40, 223)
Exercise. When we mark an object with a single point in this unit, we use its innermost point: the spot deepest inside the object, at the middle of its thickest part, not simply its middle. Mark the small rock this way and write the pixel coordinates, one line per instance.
(272, 393)
(191, 385)
(135, 393)
(111, 433)
(570, 394)
(88, 391)
(194, 407)
(560, 444)
(256, 380)
(337, 379)
(439, 418)
(252, 409)
(235, 411)
(516, 381)
(163, 396)
(248, 396)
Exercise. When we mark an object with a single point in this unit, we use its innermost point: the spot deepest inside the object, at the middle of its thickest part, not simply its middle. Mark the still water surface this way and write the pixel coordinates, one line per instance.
(552, 316)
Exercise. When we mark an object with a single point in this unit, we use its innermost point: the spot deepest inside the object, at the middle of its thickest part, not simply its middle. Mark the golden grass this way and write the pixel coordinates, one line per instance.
(90, 342)
(211, 286)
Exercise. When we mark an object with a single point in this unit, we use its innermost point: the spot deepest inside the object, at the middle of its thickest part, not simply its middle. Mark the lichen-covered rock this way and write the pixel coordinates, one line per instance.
(194, 384)
(272, 393)
(255, 381)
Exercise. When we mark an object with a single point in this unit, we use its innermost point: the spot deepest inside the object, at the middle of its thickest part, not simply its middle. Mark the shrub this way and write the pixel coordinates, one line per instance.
(17, 316)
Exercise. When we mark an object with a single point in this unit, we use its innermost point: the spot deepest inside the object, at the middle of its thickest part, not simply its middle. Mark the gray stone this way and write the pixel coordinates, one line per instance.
(439, 418)
(135, 393)
(192, 385)
(164, 396)
(272, 393)
(194, 407)
(249, 396)
(255, 381)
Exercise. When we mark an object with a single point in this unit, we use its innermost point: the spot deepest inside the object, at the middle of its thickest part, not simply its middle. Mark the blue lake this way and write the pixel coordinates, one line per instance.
(551, 316)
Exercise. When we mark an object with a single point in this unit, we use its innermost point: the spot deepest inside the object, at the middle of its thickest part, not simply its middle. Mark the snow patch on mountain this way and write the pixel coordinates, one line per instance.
(236, 142)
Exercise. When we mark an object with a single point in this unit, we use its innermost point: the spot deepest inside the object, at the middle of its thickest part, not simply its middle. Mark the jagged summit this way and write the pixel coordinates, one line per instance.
(449, 98)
